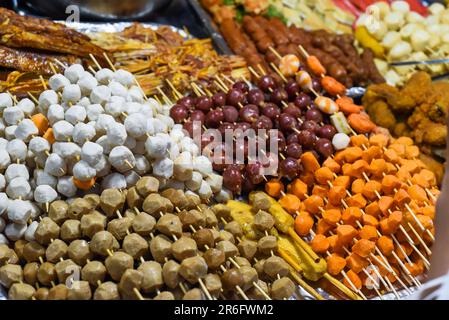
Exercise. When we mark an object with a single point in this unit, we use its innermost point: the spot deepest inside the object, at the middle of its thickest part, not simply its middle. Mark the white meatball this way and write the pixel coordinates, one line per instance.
(66, 186)
(103, 167)
(104, 76)
(124, 77)
(122, 159)
(156, 126)
(27, 106)
(5, 100)
(75, 114)
(71, 94)
(82, 171)
(131, 178)
(205, 191)
(58, 81)
(5, 160)
(203, 165)
(183, 167)
(15, 231)
(39, 145)
(91, 153)
(2, 182)
(30, 231)
(116, 134)
(187, 144)
(87, 83)
(215, 182)
(47, 98)
(135, 94)
(136, 125)
(100, 94)
(104, 143)
(147, 110)
(103, 122)
(223, 196)
(67, 150)
(142, 164)
(195, 182)
(13, 115)
(168, 121)
(3, 239)
(157, 146)
(83, 132)
(118, 89)
(10, 132)
(114, 181)
(132, 107)
(176, 135)
(18, 188)
(85, 102)
(25, 130)
(43, 178)
(340, 141)
(16, 170)
(163, 168)
(45, 194)
(55, 165)
(55, 113)
(115, 106)
(62, 130)
(74, 72)
(93, 111)
(4, 202)
(17, 150)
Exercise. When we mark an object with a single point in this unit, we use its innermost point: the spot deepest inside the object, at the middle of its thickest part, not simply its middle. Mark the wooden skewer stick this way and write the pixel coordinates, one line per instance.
(176, 93)
(63, 66)
(166, 99)
(275, 52)
(109, 61)
(95, 61)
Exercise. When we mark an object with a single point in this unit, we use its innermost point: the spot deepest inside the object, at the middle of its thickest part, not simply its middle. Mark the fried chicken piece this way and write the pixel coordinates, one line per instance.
(380, 113)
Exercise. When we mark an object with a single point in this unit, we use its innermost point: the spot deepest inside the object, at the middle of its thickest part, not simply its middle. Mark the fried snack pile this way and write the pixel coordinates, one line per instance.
(158, 55)
(372, 204)
(139, 244)
(418, 110)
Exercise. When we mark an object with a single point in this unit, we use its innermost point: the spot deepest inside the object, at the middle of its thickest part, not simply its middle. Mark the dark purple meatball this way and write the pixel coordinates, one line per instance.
(327, 131)
(179, 113)
(188, 126)
(302, 101)
(187, 102)
(204, 103)
(231, 114)
(278, 96)
(289, 168)
(247, 185)
(219, 99)
(314, 114)
(198, 115)
(307, 139)
(292, 138)
(292, 110)
(213, 118)
(310, 125)
(271, 110)
(316, 85)
(225, 125)
(266, 83)
(263, 122)
(241, 85)
(254, 172)
(324, 147)
(292, 89)
(287, 122)
(293, 150)
(280, 138)
(249, 113)
(232, 179)
(235, 97)
(256, 96)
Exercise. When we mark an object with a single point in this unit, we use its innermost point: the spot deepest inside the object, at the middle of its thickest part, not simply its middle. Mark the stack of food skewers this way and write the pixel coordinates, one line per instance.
(127, 198)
